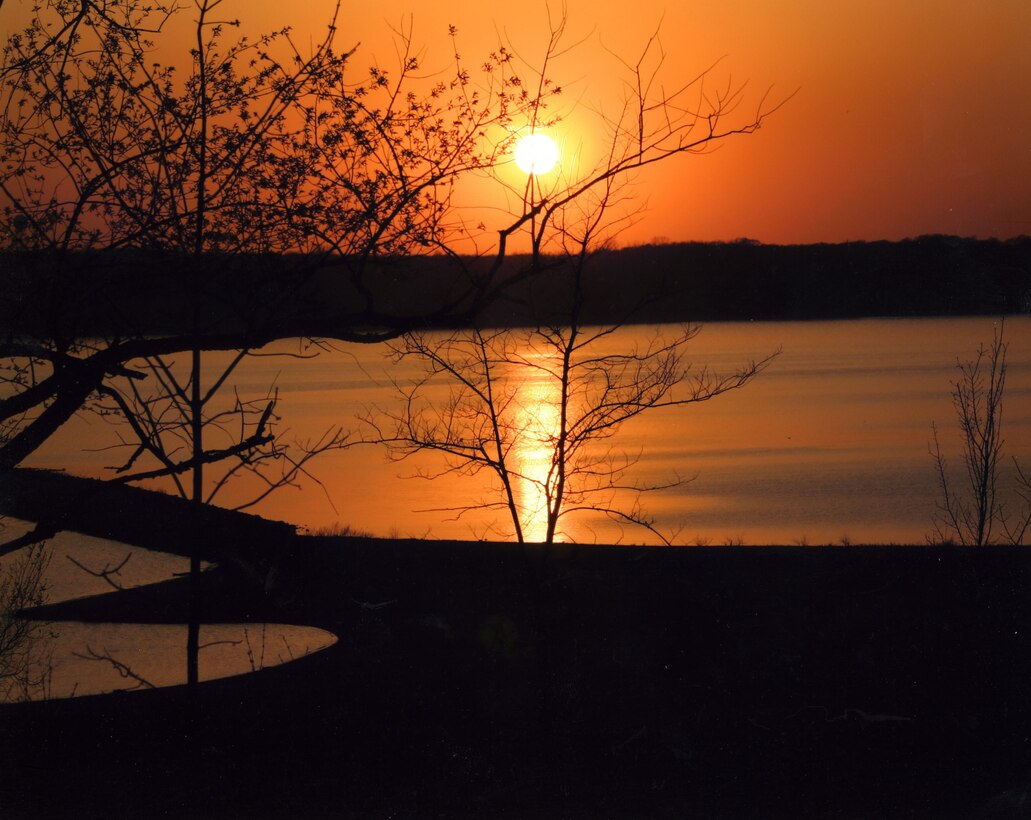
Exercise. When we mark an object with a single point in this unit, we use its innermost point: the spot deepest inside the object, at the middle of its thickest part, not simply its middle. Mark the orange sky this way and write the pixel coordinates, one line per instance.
(911, 116)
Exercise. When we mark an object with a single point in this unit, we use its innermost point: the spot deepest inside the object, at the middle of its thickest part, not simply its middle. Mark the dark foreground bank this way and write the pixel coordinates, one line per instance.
(485, 680)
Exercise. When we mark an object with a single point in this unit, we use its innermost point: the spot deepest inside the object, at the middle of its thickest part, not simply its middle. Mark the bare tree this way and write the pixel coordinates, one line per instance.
(24, 651)
(974, 514)
(538, 408)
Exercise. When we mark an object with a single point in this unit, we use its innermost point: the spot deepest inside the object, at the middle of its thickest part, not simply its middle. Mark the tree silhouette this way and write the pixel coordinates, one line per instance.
(24, 661)
(250, 154)
(538, 408)
(975, 514)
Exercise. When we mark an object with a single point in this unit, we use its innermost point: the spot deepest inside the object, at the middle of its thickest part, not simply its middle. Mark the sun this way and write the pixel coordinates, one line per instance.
(536, 154)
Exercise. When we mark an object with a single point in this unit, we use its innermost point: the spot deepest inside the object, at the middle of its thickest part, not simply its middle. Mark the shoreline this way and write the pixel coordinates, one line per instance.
(714, 682)
(281, 296)
(476, 679)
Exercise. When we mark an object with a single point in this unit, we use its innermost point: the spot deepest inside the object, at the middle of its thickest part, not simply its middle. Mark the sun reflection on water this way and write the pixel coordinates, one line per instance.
(537, 422)
(831, 442)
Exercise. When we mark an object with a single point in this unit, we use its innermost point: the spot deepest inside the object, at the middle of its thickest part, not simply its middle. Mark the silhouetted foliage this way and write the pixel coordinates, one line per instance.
(250, 147)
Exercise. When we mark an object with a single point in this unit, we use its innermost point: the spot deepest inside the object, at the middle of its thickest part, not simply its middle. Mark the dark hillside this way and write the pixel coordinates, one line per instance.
(134, 292)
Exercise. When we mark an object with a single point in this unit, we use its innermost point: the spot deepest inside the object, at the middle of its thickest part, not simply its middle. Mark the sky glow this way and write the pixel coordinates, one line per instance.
(907, 118)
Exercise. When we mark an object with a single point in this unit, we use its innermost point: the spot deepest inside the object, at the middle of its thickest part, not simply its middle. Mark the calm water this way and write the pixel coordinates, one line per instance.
(71, 658)
(97, 658)
(830, 443)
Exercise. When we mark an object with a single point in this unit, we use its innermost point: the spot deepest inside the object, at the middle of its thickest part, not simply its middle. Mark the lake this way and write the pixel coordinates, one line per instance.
(828, 445)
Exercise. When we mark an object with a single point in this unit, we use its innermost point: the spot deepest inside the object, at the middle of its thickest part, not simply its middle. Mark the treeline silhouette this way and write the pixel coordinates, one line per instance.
(135, 291)
(745, 280)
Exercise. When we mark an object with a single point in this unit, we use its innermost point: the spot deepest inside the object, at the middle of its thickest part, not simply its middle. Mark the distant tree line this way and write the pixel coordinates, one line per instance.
(742, 280)
(745, 280)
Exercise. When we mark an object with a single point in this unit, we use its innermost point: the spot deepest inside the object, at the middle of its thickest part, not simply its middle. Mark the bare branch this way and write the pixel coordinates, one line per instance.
(106, 574)
(124, 670)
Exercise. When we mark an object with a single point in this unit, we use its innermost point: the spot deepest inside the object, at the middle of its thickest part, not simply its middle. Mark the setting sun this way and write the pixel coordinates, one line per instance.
(536, 154)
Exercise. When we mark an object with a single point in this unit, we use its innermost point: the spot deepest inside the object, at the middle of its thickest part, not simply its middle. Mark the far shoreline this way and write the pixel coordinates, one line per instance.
(90, 293)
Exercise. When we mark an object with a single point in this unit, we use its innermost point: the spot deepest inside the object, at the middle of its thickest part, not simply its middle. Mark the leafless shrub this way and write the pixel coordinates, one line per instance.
(972, 511)
(25, 663)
